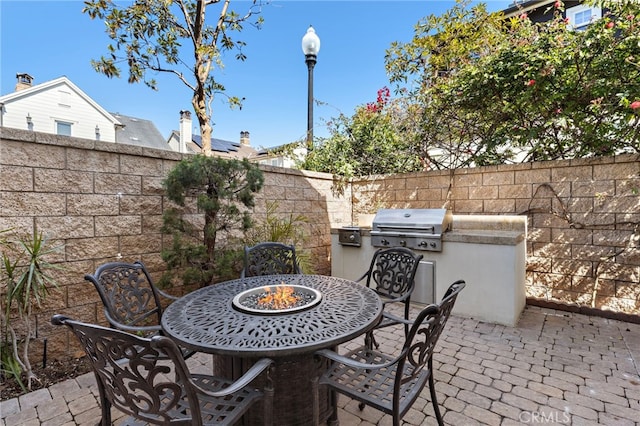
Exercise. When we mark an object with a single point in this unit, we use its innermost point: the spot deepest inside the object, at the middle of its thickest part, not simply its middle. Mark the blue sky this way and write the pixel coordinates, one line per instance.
(49, 39)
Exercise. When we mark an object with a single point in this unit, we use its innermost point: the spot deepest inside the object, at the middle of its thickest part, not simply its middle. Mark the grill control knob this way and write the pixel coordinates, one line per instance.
(384, 242)
(403, 243)
(433, 245)
(423, 244)
(352, 237)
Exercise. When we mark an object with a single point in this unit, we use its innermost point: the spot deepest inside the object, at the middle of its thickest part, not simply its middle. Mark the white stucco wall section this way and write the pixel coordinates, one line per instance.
(488, 252)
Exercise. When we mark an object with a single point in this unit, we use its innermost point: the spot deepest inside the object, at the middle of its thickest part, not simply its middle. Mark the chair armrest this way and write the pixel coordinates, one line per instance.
(395, 318)
(166, 295)
(130, 328)
(334, 356)
(400, 299)
(255, 370)
(362, 277)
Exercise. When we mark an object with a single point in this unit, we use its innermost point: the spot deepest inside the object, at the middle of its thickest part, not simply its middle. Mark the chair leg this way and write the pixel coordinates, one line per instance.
(370, 341)
(434, 400)
(268, 399)
(333, 420)
(396, 419)
(105, 405)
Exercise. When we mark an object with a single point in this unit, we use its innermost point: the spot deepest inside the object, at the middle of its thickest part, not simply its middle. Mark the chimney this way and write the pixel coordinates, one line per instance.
(185, 130)
(24, 81)
(244, 138)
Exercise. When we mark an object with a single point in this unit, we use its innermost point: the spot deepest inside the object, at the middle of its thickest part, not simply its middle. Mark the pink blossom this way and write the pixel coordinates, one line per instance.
(530, 82)
(610, 24)
(635, 105)
(523, 16)
(557, 4)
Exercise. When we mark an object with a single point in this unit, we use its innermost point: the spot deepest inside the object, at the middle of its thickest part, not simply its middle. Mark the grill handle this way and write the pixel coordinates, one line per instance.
(407, 228)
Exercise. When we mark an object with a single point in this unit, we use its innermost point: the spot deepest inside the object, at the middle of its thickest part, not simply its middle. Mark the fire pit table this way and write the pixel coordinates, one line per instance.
(214, 320)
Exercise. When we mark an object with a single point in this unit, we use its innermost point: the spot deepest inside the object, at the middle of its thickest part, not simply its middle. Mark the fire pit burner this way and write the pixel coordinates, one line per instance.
(279, 299)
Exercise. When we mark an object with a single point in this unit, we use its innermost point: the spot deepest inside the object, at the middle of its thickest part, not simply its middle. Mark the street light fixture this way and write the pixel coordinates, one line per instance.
(310, 48)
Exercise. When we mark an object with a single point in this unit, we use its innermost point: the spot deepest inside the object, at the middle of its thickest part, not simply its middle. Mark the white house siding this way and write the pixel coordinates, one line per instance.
(58, 102)
(174, 143)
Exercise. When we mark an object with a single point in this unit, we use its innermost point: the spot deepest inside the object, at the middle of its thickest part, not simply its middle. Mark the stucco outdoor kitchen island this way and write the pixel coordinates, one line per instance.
(208, 320)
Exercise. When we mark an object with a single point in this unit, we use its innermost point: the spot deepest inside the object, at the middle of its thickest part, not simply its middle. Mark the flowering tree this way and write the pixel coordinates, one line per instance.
(158, 36)
(366, 143)
(517, 91)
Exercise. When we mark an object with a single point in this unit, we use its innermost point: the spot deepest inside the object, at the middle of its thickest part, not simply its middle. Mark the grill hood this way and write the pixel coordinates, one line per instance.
(419, 229)
(424, 221)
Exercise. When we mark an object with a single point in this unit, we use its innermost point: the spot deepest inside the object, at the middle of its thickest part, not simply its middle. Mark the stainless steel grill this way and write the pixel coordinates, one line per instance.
(417, 229)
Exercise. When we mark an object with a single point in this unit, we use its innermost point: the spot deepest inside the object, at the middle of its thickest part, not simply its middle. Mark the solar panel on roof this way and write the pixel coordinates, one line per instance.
(219, 145)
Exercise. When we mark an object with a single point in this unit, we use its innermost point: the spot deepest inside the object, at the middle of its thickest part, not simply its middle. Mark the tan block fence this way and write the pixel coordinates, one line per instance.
(104, 202)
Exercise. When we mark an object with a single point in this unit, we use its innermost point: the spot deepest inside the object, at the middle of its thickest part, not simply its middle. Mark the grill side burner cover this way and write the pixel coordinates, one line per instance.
(350, 236)
(419, 229)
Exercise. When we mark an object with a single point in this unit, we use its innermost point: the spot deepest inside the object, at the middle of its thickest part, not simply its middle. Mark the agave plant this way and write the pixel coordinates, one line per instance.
(27, 279)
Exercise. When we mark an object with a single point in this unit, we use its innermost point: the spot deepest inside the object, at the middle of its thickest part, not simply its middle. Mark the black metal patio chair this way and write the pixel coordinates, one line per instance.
(130, 299)
(270, 258)
(392, 275)
(149, 380)
(389, 383)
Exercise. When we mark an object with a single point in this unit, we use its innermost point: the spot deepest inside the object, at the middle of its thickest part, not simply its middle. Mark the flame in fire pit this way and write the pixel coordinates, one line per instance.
(277, 299)
(282, 297)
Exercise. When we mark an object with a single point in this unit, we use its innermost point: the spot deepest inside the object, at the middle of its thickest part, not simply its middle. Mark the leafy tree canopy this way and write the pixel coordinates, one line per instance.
(490, 90)
(174, 37)
(367, 143)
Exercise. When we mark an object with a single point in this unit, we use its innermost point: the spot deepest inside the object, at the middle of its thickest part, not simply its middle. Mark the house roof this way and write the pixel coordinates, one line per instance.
(538, 6)
(138, 131)
(275, 149)
(222, 147)
(523, 6)
(218, 145)
(53, 83)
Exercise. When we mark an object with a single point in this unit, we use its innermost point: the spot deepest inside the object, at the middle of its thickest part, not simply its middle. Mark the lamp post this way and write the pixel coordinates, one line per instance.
(310, 48)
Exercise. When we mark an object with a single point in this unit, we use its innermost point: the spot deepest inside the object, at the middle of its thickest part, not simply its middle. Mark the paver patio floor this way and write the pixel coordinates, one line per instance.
(554, 367)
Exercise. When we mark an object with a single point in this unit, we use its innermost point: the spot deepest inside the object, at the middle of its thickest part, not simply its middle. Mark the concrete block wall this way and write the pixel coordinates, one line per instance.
(104, 201)
(583, 246)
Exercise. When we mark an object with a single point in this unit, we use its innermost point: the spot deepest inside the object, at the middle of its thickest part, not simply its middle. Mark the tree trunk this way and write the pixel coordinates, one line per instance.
(200, 107)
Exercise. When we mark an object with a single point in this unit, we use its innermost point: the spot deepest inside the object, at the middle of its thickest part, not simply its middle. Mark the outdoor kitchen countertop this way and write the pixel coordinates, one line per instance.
(487, 229)
(484, 236)
(478, 229)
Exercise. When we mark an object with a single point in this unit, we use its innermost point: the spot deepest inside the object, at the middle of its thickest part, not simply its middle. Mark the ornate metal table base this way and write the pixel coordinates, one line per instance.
(293, 396)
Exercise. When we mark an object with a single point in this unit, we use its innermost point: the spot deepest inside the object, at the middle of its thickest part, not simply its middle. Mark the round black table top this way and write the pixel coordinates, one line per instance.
(205, 320)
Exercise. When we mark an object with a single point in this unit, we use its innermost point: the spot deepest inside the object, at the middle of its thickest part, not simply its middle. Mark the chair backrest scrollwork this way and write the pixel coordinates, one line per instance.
(127, 293)
(270, 258)
(134, 376)
(392, 271)
(424, 334)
